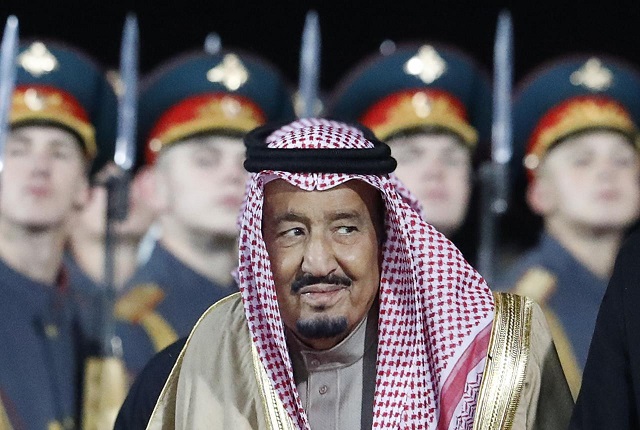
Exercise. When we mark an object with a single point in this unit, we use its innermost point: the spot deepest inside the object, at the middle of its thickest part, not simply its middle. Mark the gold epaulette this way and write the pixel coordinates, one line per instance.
(4, 418)
(105, 388)
(506, 367)
(537, 283)
(138, 306)
(138, 301)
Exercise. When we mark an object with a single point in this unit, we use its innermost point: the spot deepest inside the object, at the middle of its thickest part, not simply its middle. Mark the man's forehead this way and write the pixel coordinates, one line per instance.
(282, 196)
(45, 132)
(280, 185)
(425, 139)
(218, 142)
(214, 139)
(595, 139)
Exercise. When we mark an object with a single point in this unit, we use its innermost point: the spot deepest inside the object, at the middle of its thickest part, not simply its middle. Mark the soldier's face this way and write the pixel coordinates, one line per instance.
(90, 220)
(325, 257)
(201, 184)
(44, 177)
(437, 169)
(589, 181)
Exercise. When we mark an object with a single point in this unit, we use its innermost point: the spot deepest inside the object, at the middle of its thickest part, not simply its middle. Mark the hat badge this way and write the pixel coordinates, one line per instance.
(38, 60)
(421, 104)
(230, 72)
(37, 101)
(592, 75)
(427, 65)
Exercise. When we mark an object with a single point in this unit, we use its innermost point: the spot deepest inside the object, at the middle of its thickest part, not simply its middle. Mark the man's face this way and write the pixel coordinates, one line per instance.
(437, 169)
(202, 182)
(44, 176)
(324, 249)
(140, 214)
(591, 180)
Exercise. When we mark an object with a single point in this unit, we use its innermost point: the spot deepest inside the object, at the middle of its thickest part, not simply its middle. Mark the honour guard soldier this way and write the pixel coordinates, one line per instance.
(577, 118)
(85, 257)
(57, 121)
(193, 114)
(432, 104)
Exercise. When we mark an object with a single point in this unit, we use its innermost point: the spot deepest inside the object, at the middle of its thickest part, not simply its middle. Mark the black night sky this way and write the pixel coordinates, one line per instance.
(350, 29)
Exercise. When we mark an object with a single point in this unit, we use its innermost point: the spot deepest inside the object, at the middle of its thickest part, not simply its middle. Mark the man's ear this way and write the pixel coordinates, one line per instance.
(540, 195)
(151, 183)
(142, 184)
(82, 193)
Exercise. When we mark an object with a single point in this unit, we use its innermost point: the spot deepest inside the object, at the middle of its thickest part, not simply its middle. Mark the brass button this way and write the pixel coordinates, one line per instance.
(51, 330)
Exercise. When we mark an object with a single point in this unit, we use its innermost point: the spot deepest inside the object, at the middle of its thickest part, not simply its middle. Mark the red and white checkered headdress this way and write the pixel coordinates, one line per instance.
(435, 310)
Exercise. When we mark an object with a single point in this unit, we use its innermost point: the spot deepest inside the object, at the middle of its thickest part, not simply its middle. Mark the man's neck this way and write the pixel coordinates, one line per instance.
(36, 253)
(595, 249)
(89, 253)
(214, 257)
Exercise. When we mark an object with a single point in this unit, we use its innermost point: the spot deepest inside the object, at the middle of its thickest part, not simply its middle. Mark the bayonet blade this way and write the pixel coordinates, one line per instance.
(310, 66)
(8, 71)
(125, 151)
(502, 148)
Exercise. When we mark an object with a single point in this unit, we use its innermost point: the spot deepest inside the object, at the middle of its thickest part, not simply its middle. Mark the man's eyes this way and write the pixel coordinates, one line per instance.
(292, 232)
(347, 229)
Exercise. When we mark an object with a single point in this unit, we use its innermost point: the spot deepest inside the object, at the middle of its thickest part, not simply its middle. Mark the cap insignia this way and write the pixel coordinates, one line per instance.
(427, 64)
(38, 60)
(36, 101)
(230, 72)
(593, 75)
(227, 106)
(421, 104)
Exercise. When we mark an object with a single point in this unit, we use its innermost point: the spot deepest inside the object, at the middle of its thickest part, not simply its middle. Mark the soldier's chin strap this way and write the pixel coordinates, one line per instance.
(370, 161)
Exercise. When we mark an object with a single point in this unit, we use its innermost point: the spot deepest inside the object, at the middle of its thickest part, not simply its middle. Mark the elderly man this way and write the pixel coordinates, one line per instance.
(353, 312)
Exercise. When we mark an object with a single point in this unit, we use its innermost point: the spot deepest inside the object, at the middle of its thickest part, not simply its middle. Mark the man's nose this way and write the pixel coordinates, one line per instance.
(41, 164)
(233, 172)
(607, 169)
(433, 170)
(319, 258)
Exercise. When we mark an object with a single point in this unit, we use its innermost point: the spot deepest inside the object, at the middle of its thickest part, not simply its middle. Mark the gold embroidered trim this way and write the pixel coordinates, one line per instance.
(420, 110)
(581, 116)
(201, 125)
(507, 357)
(277, 416)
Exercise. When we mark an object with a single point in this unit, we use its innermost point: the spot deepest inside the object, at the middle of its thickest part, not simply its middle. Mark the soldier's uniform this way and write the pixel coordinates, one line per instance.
(228, 93)
(43, 341)
(569, 96)
(420, 88)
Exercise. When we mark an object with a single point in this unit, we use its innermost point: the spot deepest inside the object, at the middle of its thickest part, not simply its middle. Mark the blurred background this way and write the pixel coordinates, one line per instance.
(350, 29)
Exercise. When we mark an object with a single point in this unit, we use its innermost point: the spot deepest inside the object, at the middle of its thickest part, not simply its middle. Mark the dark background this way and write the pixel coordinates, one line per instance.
(350, 29)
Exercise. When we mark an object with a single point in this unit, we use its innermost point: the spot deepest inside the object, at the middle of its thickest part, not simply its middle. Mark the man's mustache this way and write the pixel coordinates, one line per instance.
(306, 280)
